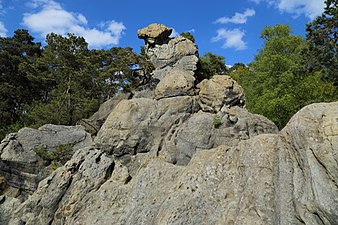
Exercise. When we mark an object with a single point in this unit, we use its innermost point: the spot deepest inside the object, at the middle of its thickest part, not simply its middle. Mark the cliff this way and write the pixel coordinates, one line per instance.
(176, 151)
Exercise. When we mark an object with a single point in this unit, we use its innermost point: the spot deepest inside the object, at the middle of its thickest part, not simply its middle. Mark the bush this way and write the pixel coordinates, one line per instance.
(60, 155)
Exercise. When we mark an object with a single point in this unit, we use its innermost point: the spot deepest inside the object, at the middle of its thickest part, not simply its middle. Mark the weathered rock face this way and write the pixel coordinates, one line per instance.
(286, 178)
(21, 167)
(169, 54)
(93, 124)
(139, 125)
(200, 132)
(176, 83)
(308, 167)
(180, 153)
(175, 62)
(220, 90)
(155, 34)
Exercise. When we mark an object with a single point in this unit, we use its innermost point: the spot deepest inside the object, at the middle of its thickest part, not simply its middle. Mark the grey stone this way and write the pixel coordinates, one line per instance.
(200, 132)
(220, 91)
(21, 167)
(147, 90)
(93, 124)
(139, 125)
(284, 178)
(169, 54)
(155, 34)
(7, 207)
(176, 83)
(307, 169)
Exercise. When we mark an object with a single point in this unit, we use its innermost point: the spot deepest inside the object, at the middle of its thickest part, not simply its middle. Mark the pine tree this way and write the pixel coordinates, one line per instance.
(17, 88)
(322, 37)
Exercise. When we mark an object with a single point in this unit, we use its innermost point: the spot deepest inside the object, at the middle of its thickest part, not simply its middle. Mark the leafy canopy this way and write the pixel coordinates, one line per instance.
(274, 83)
(322, 36)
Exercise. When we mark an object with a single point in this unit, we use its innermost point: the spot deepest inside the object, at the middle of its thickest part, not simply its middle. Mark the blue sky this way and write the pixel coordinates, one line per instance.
(224, 27)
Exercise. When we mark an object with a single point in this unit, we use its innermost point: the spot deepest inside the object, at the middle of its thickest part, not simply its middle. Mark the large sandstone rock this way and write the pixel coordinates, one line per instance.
(21, 167)
(307, 169)
(174, 154)
(176, 83)
(286, 178)
(139, 125)
(175, 58)
(170, 127)
(169, 54)
(200, 132)
(68, 185)
(220, 90)
(155, 34)
(93, 124)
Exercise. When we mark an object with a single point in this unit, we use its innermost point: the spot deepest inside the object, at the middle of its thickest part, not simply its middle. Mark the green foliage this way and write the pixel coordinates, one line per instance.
(60, 155)
(274, 83)
(68, 77)
(210, 64)
(42, 153)
(188, 36)
(217, 121)
(237, 66)
(321, 53)
(17, 88)
(62, 82)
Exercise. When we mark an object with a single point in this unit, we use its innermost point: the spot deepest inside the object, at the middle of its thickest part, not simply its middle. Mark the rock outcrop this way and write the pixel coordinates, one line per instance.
(155, 34)
(191, 154)
(21, 166)
(220, 91)
(93, 124)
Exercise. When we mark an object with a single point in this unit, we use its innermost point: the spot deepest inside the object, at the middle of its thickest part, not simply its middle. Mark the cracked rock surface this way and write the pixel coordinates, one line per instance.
(187, 154)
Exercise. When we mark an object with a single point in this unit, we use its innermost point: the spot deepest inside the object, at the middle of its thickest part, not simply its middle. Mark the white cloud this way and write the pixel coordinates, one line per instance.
(255, 1)
(238, 18)
(3, 30)
(309, 8)
(51, 17)
(270, 2)
(232, 38)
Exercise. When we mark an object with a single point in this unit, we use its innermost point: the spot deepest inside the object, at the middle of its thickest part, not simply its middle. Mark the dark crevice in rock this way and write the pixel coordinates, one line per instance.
(109, 171)
(128, 179)
(319, 219)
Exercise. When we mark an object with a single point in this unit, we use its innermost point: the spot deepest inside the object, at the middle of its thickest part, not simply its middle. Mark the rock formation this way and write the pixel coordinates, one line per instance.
(187, 153)
(21, 166)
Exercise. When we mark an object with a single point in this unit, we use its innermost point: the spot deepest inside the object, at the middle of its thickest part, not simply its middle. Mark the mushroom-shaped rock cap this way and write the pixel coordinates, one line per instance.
(155, 34)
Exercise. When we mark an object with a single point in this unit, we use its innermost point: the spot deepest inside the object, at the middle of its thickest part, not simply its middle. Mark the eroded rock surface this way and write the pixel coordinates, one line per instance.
(20, 165)
(220, 90)
(93, 124)
(286, 178)
(184, 153)
(155, 34)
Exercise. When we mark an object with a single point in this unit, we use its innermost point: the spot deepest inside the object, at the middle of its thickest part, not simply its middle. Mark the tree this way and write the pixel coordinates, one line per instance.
(188, 36)
(119, 70)
(274, 83)
(17, 88)
(69, 78)
(322, 37)
(210, 64)
(237, 66)
(78, 80)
